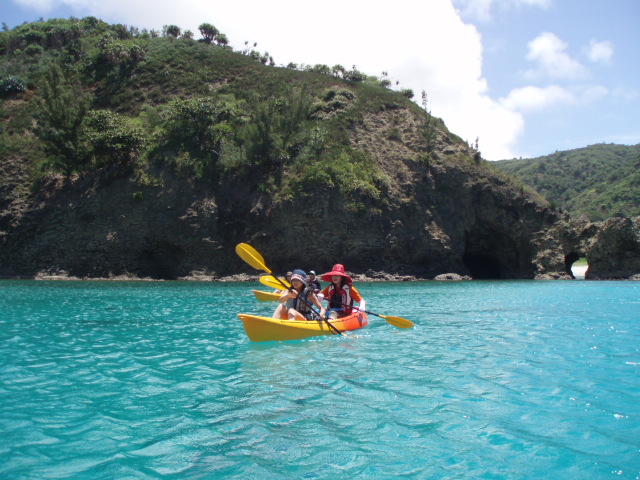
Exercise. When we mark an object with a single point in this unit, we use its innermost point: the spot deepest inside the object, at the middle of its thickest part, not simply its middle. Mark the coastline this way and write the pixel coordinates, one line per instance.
(579, 273)
(240, 277)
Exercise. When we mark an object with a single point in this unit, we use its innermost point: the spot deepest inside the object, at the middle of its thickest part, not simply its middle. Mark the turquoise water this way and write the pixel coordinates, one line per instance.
(499, 380)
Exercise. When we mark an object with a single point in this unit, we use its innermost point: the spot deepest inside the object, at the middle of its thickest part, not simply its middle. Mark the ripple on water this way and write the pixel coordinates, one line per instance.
(497, 380)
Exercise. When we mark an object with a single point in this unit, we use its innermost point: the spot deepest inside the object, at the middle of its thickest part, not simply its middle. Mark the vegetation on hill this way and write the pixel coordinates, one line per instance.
(88, 102)
(184, 147)
(83, 98)
(594, 182)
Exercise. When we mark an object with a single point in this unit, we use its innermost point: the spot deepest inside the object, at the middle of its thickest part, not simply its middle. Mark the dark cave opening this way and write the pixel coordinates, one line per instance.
(482, 267)
(161, 261)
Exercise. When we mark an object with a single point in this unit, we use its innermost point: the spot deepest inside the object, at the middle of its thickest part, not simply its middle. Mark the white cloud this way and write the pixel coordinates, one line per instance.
(476, 9)
(588, 94)
(549, 52)
(482, 10)
(600, 51)
(534, 99)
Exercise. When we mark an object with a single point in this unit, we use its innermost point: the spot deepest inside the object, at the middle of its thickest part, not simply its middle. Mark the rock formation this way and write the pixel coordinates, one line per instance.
(438, 215)
(613, 249)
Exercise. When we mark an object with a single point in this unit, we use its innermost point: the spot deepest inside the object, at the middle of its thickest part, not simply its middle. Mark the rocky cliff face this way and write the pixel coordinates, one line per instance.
(111, 231)
(445, 215)
(442, 222)
(612, 249)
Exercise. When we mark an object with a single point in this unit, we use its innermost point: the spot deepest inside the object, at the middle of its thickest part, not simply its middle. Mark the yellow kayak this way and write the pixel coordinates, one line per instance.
(266, 296)
(264, 329)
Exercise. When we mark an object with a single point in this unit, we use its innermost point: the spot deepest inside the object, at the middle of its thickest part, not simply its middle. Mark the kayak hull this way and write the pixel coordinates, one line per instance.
(266, 296)
(265, 329)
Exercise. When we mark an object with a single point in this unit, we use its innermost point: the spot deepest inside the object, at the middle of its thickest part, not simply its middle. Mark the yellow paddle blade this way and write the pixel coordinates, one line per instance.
(266, 296)
(271, 281)
(250, 255)
(398, 321)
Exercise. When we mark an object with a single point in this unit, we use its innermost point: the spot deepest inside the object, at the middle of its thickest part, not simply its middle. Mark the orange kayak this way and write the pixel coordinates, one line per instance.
(265, 329)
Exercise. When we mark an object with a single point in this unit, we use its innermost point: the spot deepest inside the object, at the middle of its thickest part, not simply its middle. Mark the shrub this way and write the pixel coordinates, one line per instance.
(352, 173)
(208, 32)
(33, 50)
(394, 134)
(355, 75)
(112, 139)
(11, 86)
(171, 30)
(407, 92)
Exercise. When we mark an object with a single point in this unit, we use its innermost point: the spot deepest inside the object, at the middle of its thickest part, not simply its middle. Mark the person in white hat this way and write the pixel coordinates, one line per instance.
(314, 283)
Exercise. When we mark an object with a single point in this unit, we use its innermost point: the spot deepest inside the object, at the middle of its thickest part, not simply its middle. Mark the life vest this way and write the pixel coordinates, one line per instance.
(340, 298)
(300, 305)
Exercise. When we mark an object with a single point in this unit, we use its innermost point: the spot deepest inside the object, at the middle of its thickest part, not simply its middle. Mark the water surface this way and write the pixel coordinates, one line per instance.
(499, 379)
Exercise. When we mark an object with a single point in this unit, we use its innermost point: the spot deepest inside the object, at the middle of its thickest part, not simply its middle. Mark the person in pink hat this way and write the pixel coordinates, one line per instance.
(340, 293)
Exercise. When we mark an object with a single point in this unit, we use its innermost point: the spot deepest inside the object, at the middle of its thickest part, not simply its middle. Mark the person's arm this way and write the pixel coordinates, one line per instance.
(316, 302)
(355, 295)
(358, 298)
(287, 294)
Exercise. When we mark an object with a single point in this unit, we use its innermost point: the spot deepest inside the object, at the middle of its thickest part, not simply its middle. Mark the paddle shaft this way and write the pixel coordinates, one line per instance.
(395, 321)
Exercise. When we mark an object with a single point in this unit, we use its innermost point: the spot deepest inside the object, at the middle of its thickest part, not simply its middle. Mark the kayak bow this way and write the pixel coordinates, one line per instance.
(266, 296)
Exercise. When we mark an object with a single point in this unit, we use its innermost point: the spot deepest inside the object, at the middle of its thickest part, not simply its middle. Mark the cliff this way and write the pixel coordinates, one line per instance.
(179, 150)
(442, 216)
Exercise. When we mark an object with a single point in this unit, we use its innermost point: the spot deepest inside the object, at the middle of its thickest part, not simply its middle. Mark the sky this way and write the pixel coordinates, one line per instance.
(525, 77)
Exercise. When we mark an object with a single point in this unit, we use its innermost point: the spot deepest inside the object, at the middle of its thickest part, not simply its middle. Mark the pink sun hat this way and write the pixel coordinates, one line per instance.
(338, 269)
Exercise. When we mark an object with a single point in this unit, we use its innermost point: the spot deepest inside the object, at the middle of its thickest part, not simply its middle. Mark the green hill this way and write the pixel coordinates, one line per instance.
(126, 152)
(84, 98)
(598, 181)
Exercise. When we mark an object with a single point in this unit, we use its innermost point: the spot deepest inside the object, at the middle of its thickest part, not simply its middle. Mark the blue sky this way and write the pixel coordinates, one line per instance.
(526, 77)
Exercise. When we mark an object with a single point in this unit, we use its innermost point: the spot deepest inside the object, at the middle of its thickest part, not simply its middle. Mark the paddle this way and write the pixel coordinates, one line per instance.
(273, 282)
(250, 255)
(395, 321)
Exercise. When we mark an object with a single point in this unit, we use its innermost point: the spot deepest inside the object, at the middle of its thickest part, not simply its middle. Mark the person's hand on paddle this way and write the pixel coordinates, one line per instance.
(287, 294)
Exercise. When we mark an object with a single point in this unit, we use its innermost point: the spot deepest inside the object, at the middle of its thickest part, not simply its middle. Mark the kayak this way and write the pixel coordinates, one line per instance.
(264, 329)
(266, 296)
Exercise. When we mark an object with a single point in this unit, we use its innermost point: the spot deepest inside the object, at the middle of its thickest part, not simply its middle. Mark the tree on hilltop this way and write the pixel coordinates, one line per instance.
(222, 40)
(208, 32)
(171, 30)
